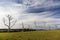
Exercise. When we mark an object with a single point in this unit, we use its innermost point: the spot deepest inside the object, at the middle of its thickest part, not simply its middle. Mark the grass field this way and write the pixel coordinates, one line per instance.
(35, 35)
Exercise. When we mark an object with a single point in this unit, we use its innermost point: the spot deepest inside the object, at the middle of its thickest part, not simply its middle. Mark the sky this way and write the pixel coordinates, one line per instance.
(30, 11)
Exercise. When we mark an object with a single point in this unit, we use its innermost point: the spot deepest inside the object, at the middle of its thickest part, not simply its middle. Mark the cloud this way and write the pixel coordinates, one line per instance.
(51, 6)
(11, 8)
(44, 10)
(29, 11)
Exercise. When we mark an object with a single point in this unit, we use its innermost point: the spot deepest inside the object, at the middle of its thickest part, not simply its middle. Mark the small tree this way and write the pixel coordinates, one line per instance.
(23, 29)
(35, 24)
(55, 26)
(10, 23)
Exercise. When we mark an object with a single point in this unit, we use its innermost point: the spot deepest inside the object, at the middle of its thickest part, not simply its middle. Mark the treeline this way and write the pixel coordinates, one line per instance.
(17, 30)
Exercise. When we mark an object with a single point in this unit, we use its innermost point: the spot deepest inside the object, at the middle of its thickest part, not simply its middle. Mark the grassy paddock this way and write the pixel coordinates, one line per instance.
(33, 35)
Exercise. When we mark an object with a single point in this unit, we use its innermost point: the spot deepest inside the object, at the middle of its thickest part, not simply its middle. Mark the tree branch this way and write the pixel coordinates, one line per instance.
(4, 22)
(14, 23)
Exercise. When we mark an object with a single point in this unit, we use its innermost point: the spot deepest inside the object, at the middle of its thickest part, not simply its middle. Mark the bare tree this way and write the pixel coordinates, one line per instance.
(55, 26)
(22, 26)
(35, 24)
(11, 22)
(49, 27)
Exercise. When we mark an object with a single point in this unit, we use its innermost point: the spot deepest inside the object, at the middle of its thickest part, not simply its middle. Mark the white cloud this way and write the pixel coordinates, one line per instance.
(12, 9)
(17, 11)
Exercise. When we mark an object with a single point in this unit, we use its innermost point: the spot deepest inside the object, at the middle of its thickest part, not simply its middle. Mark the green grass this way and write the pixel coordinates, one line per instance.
(35, 35)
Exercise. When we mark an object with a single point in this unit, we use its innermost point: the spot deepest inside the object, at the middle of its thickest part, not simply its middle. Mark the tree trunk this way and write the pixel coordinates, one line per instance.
(8, 29)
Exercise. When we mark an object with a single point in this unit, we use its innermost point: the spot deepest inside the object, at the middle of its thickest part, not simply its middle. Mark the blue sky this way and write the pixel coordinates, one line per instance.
(30, 11)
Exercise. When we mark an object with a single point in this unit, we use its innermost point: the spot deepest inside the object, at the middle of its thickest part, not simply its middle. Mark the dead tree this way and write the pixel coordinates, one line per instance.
(22, 26)
(11, 22)
(35, 24)
(55, 26)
